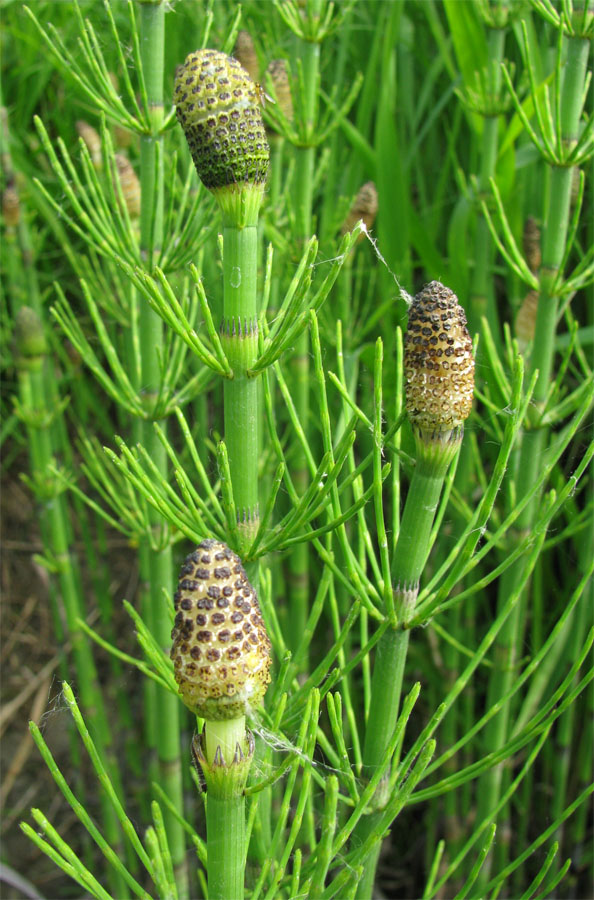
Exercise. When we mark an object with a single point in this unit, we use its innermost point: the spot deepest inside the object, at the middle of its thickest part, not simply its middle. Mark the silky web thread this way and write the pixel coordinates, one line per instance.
(402, 293)
(282, 744)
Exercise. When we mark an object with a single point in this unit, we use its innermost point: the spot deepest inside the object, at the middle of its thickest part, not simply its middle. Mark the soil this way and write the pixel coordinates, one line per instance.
(30, 689)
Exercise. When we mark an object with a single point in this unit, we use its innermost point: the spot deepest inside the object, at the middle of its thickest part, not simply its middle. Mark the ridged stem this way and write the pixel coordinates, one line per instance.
(481, 292)
(309, 55)
(410, 555)
(554, 237)
(241, 396)
(160, 571)
(225, 829)
(482, 303)
(224, 753)
(48, 440)
(239, 336)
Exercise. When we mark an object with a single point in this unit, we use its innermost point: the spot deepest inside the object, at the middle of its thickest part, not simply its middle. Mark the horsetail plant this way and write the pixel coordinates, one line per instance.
(218, 108)
(137, 385)
(282, 443)
(561, 148)
(39, 408)
(221, 659)
(439, 377)
(163, 717)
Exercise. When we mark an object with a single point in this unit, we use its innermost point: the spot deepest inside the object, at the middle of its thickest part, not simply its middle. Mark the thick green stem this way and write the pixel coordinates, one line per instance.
(241, 394)
(482, 303)
(309, 55)
(224, 736)
(48, 439)
(412, 548)
(386, 689)
(225, 829)
(160, 572)
(242, 404)
(410, 555)
(224, 752)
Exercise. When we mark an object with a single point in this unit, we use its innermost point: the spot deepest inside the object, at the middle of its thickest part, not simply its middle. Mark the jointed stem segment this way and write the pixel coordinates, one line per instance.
(410, 554)
(239, 337)
(224, 753)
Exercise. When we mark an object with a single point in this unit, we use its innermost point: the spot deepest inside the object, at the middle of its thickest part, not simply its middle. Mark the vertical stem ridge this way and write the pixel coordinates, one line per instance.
(239, 338)
(410, 554)
(309, 54)
(160, 570)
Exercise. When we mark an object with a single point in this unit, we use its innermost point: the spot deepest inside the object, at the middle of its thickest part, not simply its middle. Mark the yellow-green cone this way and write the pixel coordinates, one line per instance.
(221, 651)
(218, 107)
(438, 364)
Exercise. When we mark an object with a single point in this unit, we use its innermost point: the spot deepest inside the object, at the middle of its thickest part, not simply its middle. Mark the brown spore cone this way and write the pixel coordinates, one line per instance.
(221, 651)
(438, 361)
(218, 107)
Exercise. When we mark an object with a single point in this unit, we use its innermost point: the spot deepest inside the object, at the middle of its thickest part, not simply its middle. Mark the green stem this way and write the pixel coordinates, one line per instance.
(410, 555)
(241, 394)
(481, 293)
(482, 303)
(309, 55)
(55, 526)
(224, 735)
(151, 338)
(534, 442)
(412, 548)
(39, 397)
(224, 754)
(242, 405)
(225, 829)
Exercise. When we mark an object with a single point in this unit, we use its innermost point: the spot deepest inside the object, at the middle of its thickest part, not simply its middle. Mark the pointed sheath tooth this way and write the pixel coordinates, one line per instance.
(438, 361)
(221, 651)
(217, 105)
